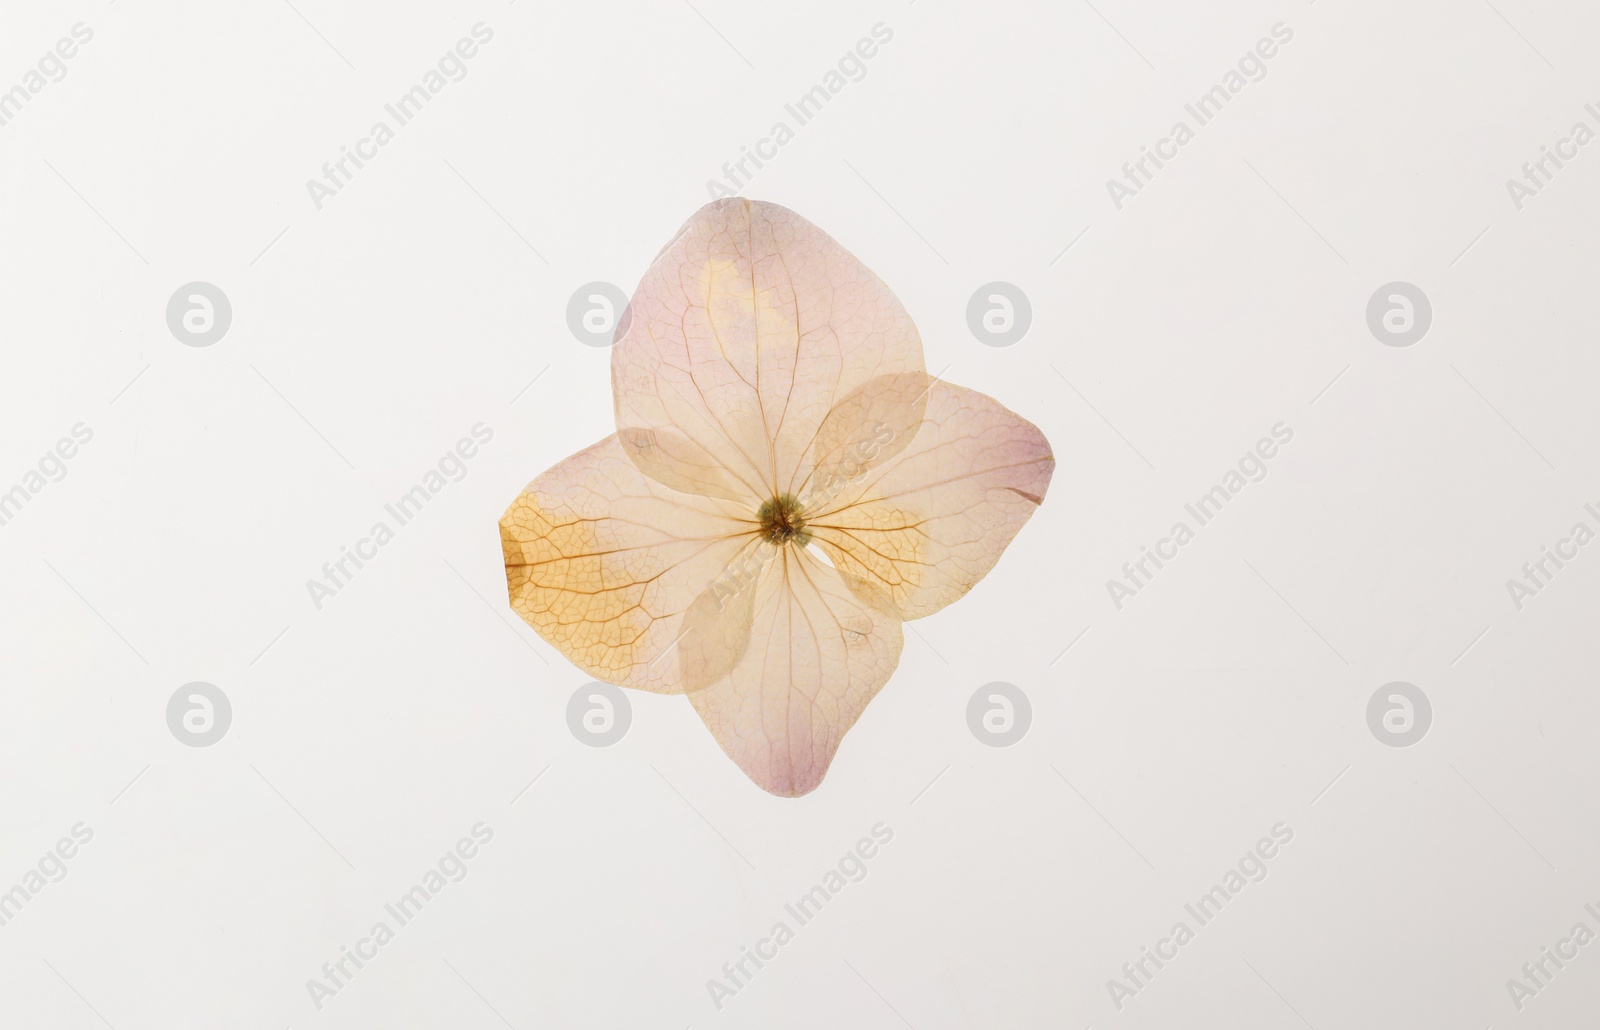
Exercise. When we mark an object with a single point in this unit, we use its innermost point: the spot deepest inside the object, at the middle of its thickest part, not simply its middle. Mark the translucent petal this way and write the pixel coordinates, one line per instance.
(863, 431)
(918, 531)
(746, 331)
(818, 653)
(606, 565)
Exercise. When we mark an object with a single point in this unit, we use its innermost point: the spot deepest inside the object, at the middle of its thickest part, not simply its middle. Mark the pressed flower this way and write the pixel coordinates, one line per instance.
(786, 486)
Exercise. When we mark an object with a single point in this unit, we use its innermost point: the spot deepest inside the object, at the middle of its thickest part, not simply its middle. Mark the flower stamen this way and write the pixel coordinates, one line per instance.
(782, 522)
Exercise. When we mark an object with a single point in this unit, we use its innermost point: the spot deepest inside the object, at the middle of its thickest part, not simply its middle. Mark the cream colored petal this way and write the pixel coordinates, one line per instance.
(818, 653)
(669, 458)
(606, 565)
(920, 530)
(746, 331)
(717, 627)
(863, 431)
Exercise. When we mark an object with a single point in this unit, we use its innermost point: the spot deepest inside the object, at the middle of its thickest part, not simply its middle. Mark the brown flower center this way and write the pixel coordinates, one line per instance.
(781, 521)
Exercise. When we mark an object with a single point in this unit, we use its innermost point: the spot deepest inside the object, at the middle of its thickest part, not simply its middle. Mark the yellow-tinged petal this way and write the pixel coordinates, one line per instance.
(607, 565)
(921, 529)
(818, 653)
(747, 330)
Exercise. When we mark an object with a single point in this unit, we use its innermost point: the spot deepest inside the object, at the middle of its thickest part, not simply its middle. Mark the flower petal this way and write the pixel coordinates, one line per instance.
(921, 529)
(607, 564)
(668, 458)
(818, 653)
(863, 431)
(746, 331)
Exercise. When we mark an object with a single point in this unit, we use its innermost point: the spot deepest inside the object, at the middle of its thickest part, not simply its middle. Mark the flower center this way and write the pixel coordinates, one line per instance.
(782, 522)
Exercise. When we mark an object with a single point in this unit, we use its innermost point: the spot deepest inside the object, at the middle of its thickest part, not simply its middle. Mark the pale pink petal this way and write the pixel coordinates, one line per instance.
(746, 331)
(608, 565)
(920, 530)
(818, 653)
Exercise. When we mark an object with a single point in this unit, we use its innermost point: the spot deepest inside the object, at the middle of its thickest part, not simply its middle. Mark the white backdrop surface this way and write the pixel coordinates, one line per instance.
(1176, 319)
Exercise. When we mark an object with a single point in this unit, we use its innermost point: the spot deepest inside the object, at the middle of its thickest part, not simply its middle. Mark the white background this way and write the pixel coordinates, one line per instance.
(1228, 696)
